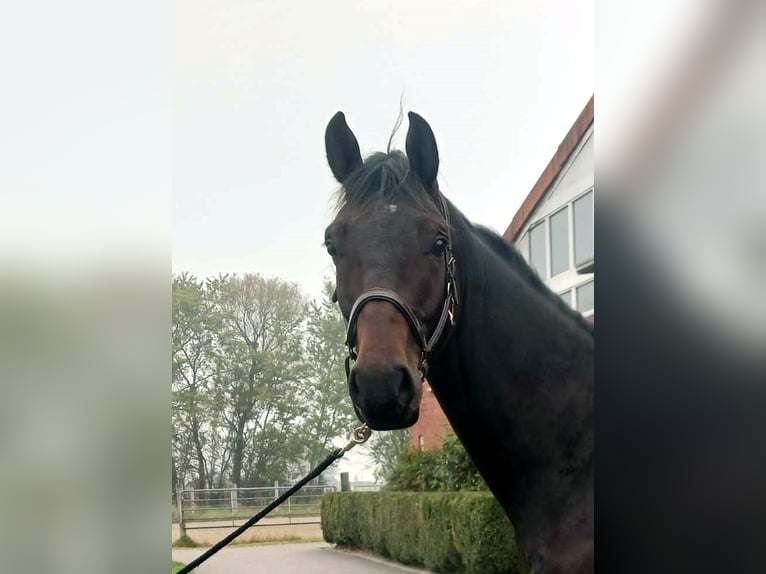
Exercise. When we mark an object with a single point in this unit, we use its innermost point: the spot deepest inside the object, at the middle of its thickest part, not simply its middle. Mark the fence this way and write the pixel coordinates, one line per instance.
(366, 487)
(227, 507)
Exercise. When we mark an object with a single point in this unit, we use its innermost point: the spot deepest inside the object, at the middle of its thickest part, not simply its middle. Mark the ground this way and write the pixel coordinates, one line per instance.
(302, 558)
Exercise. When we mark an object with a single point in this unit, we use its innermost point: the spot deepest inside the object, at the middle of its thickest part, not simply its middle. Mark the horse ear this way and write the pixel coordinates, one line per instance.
(342, 148)
(421, 150)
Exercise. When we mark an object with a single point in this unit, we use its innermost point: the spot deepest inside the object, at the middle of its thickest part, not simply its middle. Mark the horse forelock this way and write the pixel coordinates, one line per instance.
(384, 178)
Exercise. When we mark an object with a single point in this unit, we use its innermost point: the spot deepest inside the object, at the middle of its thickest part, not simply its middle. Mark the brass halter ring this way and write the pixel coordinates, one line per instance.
(359, 436)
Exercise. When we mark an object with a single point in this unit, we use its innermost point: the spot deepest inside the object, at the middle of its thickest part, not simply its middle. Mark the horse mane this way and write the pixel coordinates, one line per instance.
(512, 256)
(386, 176)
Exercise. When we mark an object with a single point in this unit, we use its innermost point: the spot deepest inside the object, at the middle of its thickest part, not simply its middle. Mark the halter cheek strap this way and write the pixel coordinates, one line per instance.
(380, 294)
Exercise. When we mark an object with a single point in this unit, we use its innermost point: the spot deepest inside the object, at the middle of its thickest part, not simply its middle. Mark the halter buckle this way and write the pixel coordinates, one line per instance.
(451, 297)
(423, 365)
(347, 364)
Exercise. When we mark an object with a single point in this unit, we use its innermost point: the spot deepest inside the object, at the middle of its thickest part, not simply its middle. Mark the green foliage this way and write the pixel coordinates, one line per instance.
(447, 469)
(192, 371)
(445, 531)
(387, 448)
(259, 389)
(328, 411)
(177, 566)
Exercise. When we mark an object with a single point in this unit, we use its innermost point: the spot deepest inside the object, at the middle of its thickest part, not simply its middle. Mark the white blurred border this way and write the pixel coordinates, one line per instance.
(85, 183)
(681, 133)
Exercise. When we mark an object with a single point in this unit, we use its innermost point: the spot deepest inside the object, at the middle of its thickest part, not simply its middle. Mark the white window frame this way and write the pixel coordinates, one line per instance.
(523, 246)
(575, 301)
(572, 229)
(570, 238)
(569, 206)
(546, 246)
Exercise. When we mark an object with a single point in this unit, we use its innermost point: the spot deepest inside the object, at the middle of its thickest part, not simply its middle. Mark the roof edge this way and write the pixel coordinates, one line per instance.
(551, 171)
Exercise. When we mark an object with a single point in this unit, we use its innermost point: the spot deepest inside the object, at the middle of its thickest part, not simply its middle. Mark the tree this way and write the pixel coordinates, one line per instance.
(387, 450)
(257, 368)
(192, 369)
(259, 387)
(328, 413)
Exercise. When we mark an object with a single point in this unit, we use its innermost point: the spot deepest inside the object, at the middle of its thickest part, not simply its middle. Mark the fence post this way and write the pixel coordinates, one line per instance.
(234, 501)
(276, 489)
(345, 484)
(180, 505)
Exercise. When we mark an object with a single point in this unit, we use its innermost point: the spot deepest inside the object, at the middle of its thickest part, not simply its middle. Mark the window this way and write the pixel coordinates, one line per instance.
(585, 297)
(583, 229)
(523, 246)
(559, 241)
(421, 442)
(567, 296)
(537, 257)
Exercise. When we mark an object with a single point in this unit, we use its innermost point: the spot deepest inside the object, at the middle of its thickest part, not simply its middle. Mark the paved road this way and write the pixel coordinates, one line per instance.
(303, 558)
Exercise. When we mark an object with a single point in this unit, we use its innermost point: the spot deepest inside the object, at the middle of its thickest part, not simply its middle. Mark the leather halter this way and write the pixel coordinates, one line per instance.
(427, 344)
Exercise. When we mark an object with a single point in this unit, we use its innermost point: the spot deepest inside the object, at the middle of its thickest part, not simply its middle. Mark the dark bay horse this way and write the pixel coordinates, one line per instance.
(425, 291)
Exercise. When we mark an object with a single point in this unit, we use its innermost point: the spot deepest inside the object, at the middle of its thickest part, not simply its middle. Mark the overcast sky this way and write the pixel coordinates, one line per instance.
(256, 82)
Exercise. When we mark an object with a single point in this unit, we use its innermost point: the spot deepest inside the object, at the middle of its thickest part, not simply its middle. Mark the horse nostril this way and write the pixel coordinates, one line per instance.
(376, 387)
(406, 386)
(353, 387)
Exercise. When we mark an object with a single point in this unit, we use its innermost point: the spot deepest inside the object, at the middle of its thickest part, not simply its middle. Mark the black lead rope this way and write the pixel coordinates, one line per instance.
(361, 434)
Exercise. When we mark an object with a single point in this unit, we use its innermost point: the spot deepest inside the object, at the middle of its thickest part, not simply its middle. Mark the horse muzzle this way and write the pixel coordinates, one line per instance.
(385, 397)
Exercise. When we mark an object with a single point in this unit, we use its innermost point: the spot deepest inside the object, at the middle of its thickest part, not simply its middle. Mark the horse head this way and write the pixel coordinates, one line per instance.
(391, 245)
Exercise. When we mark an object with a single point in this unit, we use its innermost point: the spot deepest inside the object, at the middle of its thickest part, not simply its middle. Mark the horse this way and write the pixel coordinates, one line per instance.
(427, 293)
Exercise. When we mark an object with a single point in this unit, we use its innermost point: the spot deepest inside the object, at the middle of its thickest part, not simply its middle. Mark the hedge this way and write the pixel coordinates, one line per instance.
(443, 531)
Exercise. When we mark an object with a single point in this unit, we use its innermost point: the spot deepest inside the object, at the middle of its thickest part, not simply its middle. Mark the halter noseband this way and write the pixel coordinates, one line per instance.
(380, 294)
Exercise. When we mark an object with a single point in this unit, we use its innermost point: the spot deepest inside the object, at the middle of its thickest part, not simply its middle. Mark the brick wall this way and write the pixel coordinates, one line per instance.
(432, 426)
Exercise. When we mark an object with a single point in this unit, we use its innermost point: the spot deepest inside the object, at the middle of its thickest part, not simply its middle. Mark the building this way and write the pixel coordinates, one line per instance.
(553, 229)
(432, 426)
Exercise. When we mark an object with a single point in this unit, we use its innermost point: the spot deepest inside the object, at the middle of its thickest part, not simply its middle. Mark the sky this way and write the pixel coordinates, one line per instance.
(255, 83)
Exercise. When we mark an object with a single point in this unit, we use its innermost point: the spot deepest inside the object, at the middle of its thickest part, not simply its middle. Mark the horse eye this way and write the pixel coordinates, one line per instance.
(331, 248)
(439, 245)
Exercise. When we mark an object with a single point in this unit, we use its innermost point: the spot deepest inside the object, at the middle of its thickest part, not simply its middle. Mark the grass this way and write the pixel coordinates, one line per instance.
(177, 566)
(187, 542)
(277, 540)
(184, 542)
(225, 513)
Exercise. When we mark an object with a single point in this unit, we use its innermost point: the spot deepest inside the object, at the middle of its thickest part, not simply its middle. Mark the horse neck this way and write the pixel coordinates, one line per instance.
(516, 382)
